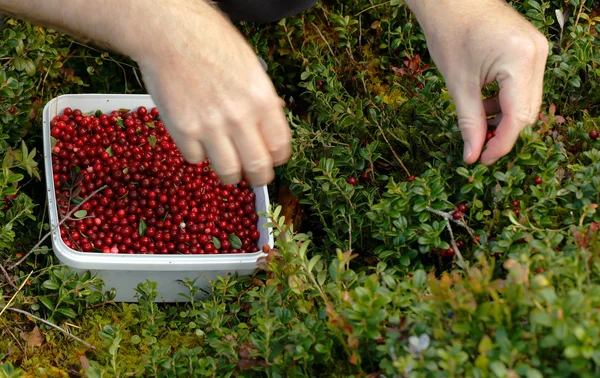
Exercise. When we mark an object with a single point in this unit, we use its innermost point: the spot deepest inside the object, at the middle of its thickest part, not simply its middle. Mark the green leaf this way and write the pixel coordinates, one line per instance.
(313, 262)
(67, 312)
(124, 110)
(463, 172)
(152, 141)
(235, 242)
(142, 228)
(110, 151)
(534, 373)
(47, 302)
(9, 191)
(216, 242)
(50, 285)
(98, 113)
(52, 142)
(15, 178)
(135, 340)
(419, 278)
(572, 351)
(80, 214)
(151, 125)
(498, 368)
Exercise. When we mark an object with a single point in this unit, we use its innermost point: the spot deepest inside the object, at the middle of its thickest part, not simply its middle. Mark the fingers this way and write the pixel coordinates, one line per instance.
(224, 158)
(191, 149)
(516, 100)
(255, 157)
(471, 120)
(277, 135)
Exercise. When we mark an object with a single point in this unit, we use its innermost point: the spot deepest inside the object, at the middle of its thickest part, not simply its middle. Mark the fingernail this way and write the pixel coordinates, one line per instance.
(467, 151)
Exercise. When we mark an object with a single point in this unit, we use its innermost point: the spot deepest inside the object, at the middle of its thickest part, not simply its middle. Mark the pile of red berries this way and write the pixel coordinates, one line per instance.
(152, 201)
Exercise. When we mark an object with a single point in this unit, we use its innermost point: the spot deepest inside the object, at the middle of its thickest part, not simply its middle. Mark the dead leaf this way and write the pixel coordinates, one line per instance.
(33, 338)
(292, 210)
(85, 363)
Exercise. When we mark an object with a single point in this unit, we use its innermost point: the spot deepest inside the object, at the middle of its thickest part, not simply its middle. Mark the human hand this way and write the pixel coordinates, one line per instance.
(477, 42)
(212, 92)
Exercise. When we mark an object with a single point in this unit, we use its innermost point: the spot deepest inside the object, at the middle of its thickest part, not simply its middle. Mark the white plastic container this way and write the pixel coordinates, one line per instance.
(122, 271)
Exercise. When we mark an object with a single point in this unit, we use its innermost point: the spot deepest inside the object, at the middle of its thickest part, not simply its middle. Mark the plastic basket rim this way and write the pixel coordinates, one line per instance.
(77, 259)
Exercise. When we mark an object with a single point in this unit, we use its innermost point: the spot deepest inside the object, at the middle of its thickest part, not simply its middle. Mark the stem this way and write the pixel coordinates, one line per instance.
(35, 247)
(392, 149)
(51, 325)
(8, 279)
(327, 43)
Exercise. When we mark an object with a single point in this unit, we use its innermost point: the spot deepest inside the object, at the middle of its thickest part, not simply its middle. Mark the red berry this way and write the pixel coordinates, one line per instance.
(462, 208)
(457, 215)
(12, 110)
(516, 203)
(538, 181)
(594, 134)
(184, 206)
(352, 181)
(319, 84)
(411, 178)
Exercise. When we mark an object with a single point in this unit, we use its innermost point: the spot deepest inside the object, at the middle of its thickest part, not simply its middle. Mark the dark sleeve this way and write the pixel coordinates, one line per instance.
(263, 11)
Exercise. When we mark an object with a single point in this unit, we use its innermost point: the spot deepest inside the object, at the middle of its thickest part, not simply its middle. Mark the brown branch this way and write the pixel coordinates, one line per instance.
(8, 279)
(51, 325)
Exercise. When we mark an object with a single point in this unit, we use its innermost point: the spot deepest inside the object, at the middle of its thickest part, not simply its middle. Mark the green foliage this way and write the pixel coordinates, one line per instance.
(360, 289)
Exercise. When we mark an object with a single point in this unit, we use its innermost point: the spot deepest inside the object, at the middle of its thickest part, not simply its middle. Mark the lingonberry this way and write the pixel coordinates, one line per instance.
(352, 181)
(462, 208)
(178, 202)
(457, 215)
(538, 181)
(594, 134)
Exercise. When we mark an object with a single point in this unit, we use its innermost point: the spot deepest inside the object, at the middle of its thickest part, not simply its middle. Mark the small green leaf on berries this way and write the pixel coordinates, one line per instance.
(142, 228)
(98, 113)
(235, 242)
(152, 141)
(110, 151)
(216, 242)
(124, 111)
(80, 214)
(150, 125)
(52, 142)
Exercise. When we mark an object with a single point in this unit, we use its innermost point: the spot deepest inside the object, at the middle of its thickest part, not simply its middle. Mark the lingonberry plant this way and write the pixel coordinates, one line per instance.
(392, 258)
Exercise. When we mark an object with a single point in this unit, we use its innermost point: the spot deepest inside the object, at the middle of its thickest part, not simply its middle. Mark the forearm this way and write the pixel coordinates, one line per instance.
(431, 12)
(118, 25)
